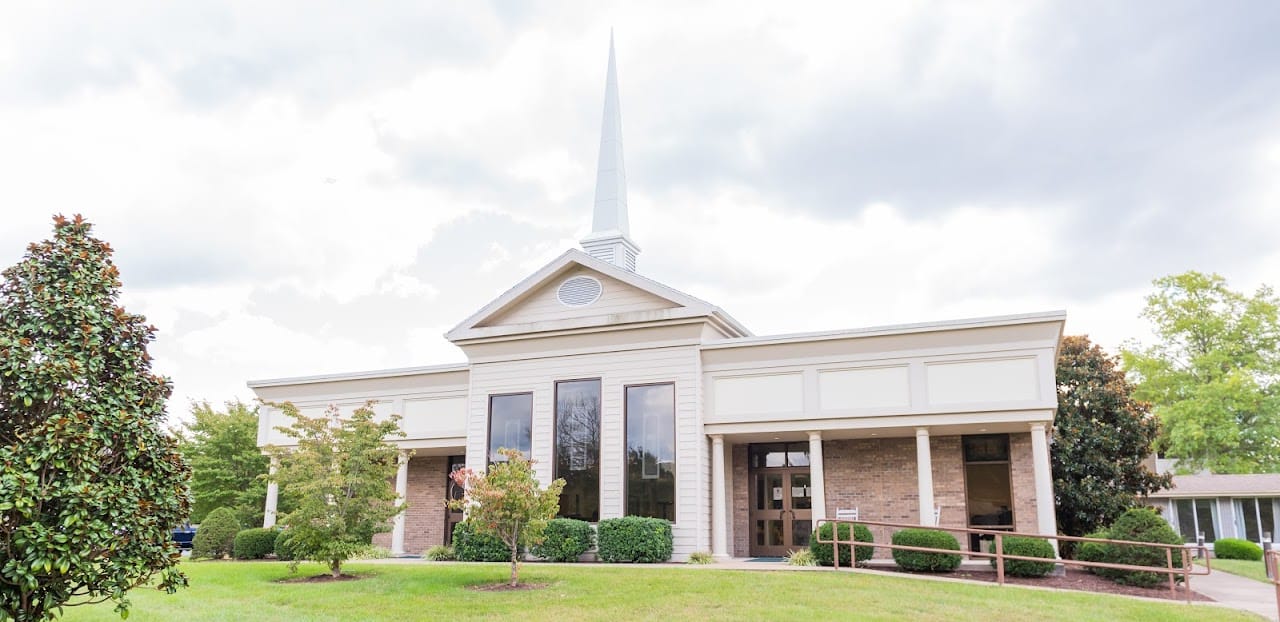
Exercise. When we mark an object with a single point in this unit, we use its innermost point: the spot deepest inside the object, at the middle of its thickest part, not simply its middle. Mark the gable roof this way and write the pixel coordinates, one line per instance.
(691, 306)
(1242, 485)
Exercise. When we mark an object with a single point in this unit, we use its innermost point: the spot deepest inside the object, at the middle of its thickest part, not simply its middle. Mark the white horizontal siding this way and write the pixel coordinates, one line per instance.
(615, 370)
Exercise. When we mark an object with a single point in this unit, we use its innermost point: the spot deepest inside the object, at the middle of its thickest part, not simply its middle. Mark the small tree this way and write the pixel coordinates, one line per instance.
(90, 484)
(508, 502)
(226, 464)
(1096, 475)
(340, 477)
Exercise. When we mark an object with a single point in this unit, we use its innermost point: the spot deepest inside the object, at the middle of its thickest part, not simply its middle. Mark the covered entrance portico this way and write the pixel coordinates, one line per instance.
(781, 498)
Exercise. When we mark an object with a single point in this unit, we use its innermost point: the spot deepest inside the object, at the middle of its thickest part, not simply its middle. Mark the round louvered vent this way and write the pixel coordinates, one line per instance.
(579, 291)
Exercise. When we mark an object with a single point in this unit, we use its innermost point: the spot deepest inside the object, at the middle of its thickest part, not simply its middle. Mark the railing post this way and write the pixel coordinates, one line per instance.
(1168, 557)
(835, 545)
(999, 559)
(1186, 572)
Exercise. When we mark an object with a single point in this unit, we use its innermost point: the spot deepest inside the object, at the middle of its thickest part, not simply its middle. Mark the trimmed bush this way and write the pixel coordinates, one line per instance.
(802, 557)
(822, 552)
(1235, 548)
(701, 558)
(215, 537)
(1026, 547)
(254, 543)
(1139, 525)
(1093, 551)
(565, 539)
(284, 546)
(439, 553)
(469, 546)
(633, 539)
(920, 560)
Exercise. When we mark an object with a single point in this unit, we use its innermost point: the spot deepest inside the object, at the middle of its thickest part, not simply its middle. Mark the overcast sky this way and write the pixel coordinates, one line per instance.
(294, 189)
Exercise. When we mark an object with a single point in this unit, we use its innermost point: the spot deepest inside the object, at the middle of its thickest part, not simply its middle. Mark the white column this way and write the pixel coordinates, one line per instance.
(1045, 519)
(817, 478)
(924, 476)
(402, 489)
(273, 496)
(719, 526)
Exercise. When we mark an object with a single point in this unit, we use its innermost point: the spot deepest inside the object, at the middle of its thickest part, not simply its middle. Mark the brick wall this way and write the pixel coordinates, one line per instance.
(739, 533)
(1023, 483)
(424, 520)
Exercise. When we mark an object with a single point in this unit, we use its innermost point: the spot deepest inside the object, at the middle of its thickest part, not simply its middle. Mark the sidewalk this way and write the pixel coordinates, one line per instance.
(1238, 592)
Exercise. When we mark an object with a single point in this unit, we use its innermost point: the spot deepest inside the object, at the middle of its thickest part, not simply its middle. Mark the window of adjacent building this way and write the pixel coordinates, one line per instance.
(987, 480)
(510, 424)
(651, 450)
(578, 448)
(1196, 516)
(1255, 517)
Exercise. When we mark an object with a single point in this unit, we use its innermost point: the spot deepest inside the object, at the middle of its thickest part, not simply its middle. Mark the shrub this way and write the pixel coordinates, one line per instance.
(1093, 551)
(635, 539)
(920, 560)
(254, 543)
(469, 546)
(1026, 547)
(439, 553)
(565, 539)
(802, 557)
(822, 552)
(216, 535)
(1235, 548)
(284, 546)
(1138, 525)
(701, 558)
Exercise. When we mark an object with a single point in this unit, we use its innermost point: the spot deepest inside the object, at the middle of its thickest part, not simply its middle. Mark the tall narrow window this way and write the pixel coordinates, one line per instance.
(651, 451)
(510, 424)
(578, 448)
(1197, 516)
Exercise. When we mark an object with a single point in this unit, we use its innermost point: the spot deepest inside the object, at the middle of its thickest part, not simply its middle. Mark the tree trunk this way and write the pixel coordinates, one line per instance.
(515, 566)
(335, 568)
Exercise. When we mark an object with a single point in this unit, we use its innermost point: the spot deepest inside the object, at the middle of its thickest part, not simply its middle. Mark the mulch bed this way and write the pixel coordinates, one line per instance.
(1074, 579)
(504, 587)
(321, 578)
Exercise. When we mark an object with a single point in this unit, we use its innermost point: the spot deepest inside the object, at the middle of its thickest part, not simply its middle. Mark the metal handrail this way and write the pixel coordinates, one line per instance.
(1186, 569)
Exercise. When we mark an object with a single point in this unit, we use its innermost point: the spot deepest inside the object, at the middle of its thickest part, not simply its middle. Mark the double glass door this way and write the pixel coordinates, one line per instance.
(781, 515)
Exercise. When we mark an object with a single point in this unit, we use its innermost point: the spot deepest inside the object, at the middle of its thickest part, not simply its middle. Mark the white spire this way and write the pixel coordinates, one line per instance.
(610, 232)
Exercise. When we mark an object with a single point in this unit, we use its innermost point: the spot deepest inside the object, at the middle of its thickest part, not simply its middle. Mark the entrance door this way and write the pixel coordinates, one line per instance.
(452, 491)
(781, 514)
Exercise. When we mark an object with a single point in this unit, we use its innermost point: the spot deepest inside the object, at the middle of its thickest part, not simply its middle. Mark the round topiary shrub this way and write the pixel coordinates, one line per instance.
(284, 546)
(635, 539)
(216, 534)
(565, 539)
(1026, 547)
(1139, 525)
(254, 543)
(469, 546)
(1235, 548)
(920, 560)
(822, 551)
(1093, 551)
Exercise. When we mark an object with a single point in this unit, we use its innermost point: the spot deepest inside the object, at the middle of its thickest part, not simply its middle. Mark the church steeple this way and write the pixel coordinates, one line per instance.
(610, 232)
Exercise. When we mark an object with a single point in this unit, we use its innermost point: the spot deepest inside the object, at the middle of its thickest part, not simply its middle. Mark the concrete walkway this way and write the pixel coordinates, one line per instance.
(1238, 592)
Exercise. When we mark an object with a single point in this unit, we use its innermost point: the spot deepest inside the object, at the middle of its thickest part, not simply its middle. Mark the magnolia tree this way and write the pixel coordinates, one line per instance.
(339, 475)
(90, 483)
(507, 502)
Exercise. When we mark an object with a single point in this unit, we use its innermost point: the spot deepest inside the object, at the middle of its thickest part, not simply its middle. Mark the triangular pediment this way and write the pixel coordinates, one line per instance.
(579, 290)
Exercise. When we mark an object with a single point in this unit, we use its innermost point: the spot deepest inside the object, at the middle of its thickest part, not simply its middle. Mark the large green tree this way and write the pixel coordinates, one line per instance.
(227, 465)
(1101, 437)
(1214, 374)
(339, 475)
(90, 483)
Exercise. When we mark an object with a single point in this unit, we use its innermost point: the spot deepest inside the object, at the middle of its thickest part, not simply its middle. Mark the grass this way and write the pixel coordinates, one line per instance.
(248, 591)
(1244, 568)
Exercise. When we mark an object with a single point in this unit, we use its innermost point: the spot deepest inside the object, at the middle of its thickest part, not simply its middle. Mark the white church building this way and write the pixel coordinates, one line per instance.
(651, 402)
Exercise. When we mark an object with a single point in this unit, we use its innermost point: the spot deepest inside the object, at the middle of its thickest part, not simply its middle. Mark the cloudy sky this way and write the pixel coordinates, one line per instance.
(308, 188)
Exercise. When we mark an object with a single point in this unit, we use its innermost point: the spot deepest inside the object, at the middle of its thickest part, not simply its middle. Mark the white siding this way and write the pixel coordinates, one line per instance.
(618, 297)
(615, 370)
(771, 394)
(434, 417)
(999, 380)
(870, 387)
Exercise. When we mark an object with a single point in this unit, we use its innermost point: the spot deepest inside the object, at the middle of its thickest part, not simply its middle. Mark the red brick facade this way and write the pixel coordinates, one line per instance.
(424, 520)
(878, 476)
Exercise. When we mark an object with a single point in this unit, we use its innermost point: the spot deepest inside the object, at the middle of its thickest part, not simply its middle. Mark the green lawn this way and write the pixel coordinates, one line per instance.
(1253, 570)
(246, 591)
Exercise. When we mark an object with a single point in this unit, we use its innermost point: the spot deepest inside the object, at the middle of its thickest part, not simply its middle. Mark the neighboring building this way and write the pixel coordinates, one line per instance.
(649, 401)
(1221, 506)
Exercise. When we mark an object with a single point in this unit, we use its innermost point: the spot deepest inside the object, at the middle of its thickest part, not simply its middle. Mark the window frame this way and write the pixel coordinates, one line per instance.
(488, 428)
(555, 436)
(675, 442)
